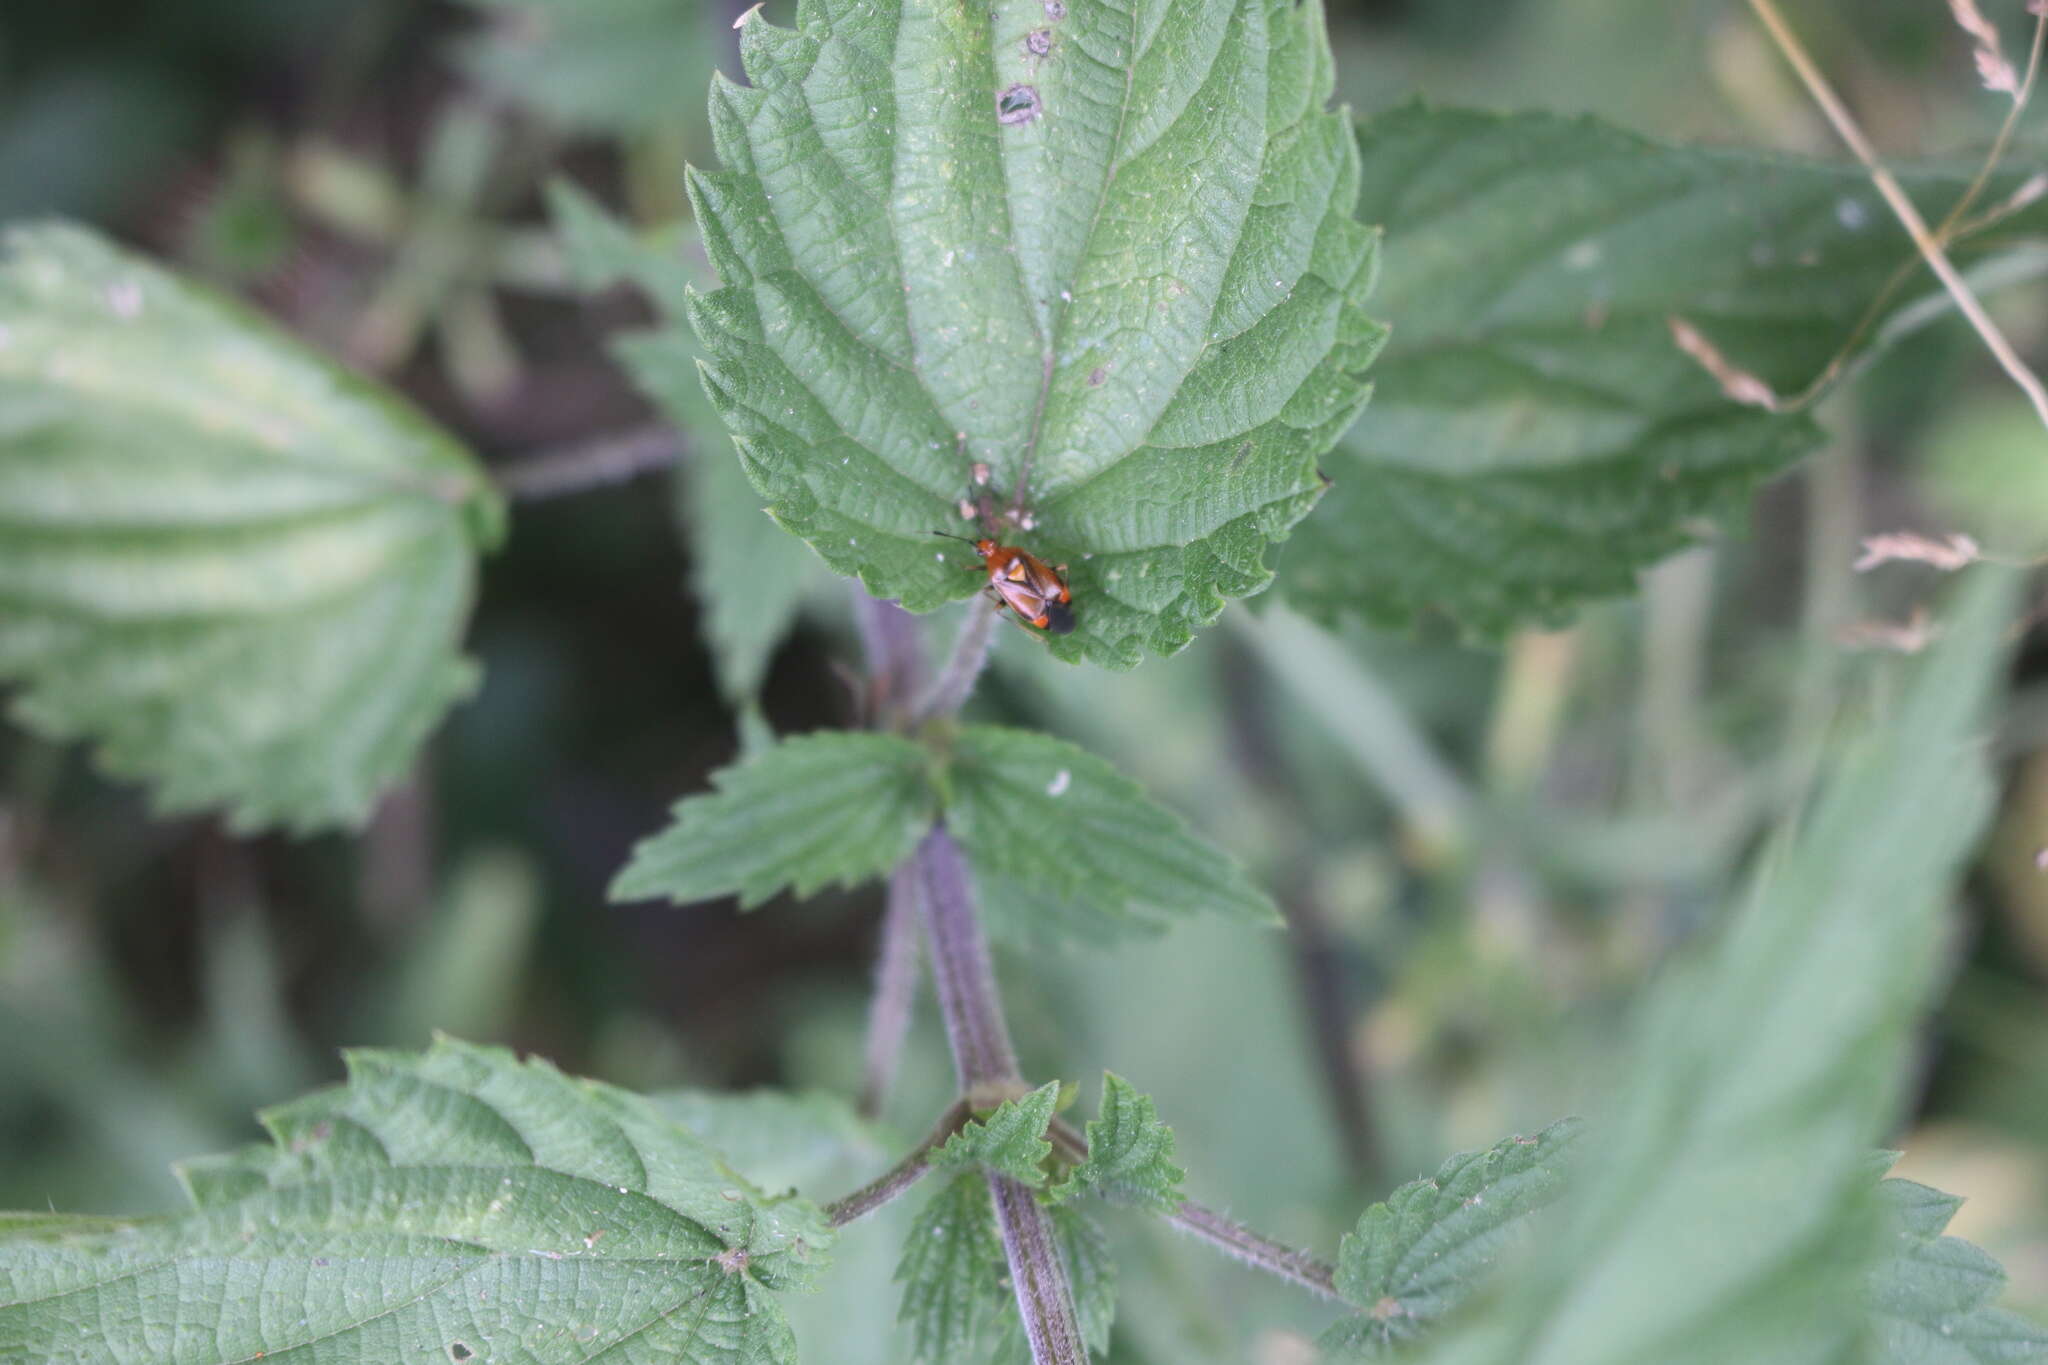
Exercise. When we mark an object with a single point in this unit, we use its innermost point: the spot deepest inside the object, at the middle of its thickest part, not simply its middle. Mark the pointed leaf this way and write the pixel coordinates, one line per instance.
(452, 1205)
(1415, 1257)
(1732, 1212)
(1107, 253)
(1130, 1152)
(1930, 1297)
(238, 570)
(1540, 437)
(1052, 819)
(815, 809)
(1010, 1141)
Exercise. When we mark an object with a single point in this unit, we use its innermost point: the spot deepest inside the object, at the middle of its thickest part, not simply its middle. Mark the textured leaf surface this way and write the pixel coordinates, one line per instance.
(1011, 1140)
(1130, 1152)
(236, 568)
(814, 809)
(1930, 1297)
(956, 1295)
(1415, 1257)
(747, 574)
(456, 1205)
(1052, 820)
(1732, 1194)
(1103, 249)
(1538, 437)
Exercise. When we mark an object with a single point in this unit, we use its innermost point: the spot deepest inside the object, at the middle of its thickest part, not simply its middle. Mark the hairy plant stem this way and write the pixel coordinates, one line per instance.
(894, 646)
(985, 1062)
(899, 1178)
(949, 691)
(895, 990)
(1227, 1235)
(590, 464)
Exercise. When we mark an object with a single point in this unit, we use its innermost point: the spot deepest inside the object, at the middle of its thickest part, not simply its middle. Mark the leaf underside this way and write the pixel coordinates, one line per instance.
(235, 568)
(453, 1205)
(1106, 252)
(1538, 437)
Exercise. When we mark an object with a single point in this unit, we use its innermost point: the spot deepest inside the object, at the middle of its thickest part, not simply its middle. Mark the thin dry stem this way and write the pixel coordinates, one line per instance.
(1888, 186)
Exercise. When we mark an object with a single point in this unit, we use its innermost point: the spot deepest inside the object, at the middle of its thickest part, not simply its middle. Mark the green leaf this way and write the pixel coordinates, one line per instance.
(1930, 1297)
(1539, 438)
(595, 66)
(1107, 252)
(778, 1139)
(748, 575)
(951, 1273)
(457, 1204)
(1130, 1152)
(1728, 1211)
(238, 569)
(1052, 819)
(1011, 1140)
(956, 1295)
(1420, 1254)
(819, 808)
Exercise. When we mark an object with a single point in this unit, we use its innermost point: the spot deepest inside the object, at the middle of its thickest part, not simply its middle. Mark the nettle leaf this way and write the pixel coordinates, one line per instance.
(1130, 1152)
(1049, 818)
(452, 1205)
(827, 807)
(1539, 437)
(1011, 1140)
(1731, 1218)
(1930, 1297)
(1106, 252)
(1415, 1257)
(956, 1294)
(239, 570)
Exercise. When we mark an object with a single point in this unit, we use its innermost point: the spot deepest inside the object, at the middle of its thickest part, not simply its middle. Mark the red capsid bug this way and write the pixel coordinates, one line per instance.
(1024, 583)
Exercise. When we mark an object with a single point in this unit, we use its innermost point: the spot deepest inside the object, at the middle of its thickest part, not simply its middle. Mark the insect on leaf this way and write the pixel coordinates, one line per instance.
(1105, 253)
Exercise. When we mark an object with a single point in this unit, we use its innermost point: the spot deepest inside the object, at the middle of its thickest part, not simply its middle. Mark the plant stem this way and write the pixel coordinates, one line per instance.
(895, 990)
(983, 1058)
(895, 652)
(985, 1061)
(1044, 1296)
(1236, 1240)
(1888, 186)
(1230, 1237)
(898, 1178)
(949, 692)
(590, 464)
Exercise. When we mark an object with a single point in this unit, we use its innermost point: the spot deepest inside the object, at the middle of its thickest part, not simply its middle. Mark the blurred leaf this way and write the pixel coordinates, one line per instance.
(780, 1140)
(1420, 1254)
(1130, 1152)
(1930, 1297)
(749, 576)
(595, 66)
(1054, 819)
(828, 807)
(1732, 1197)
(1128, 272)
(441, 1205)
(956, 1295)
(1010, 1140)
(1541, 437)
(239, 569)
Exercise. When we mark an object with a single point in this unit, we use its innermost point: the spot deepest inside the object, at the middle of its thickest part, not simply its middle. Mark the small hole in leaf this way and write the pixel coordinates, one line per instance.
(459, 1351)
(1038, 42)
(1018, 104)
(1055, 11)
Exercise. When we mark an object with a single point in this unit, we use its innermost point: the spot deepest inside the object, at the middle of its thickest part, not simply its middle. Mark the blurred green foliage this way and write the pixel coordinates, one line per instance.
(1482, 853)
